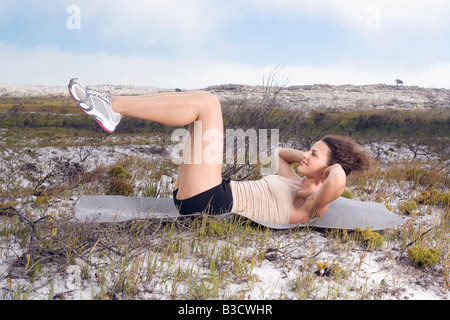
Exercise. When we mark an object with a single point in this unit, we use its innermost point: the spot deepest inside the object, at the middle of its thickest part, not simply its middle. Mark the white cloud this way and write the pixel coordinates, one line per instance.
(180, 22)
(49, 65)
(394, 16)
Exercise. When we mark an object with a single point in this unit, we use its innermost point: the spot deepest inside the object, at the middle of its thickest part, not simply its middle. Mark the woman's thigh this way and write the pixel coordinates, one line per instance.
(201, 167)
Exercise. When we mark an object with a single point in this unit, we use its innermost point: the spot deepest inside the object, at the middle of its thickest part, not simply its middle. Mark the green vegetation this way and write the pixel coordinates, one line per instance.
(434, 198)
(208, 258)
(118, 172)
(423, 257)
(408, 207)
(369, 238)
(119, 188)
(59, 112)
(348, 194)
(329, 269)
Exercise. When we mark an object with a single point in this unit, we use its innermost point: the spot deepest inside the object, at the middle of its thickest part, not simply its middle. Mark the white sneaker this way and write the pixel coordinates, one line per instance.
(95, 103)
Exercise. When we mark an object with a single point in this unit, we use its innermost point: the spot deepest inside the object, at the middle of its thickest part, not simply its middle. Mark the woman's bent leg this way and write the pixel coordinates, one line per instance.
(201, 167)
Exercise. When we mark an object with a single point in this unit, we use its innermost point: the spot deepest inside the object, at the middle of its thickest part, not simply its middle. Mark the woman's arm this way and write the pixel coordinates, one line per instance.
(332, 188)
(316, 203)
(287, 156)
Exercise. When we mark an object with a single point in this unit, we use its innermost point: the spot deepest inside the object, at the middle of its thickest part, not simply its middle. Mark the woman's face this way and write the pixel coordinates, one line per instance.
(315, 161)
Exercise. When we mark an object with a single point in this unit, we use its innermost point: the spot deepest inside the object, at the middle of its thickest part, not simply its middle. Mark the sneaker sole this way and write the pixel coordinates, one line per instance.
(98, 122)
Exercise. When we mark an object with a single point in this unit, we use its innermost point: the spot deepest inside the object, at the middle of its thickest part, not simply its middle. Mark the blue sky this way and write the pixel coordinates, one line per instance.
(195, 43)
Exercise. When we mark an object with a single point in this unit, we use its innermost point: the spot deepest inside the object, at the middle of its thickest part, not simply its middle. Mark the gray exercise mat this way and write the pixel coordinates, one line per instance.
(342, 213)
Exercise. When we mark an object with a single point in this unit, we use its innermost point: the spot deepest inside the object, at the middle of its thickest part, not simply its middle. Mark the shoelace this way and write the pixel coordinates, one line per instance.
(105, 95)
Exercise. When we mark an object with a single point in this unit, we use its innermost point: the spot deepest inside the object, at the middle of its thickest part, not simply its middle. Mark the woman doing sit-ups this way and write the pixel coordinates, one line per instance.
(284, 197)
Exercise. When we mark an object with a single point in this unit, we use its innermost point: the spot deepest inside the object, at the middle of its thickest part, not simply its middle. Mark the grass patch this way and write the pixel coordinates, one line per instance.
(204, 258)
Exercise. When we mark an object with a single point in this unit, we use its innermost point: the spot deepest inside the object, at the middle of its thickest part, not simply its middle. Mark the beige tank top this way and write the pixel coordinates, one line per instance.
(269, 199)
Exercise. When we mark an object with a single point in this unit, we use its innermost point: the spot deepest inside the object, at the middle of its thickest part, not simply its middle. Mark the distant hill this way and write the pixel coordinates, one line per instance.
(308, 97)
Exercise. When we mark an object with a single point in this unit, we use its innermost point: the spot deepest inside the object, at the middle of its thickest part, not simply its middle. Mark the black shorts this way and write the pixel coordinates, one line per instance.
(216, 200)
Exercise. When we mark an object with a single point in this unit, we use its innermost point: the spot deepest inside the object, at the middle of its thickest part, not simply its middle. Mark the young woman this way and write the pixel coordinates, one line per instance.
(282, 198)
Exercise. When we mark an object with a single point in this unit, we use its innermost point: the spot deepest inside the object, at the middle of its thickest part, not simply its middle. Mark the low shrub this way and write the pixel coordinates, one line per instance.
(424, 176)
(119, 187)
(423, 257)
(118, 172)
(408, 207)
(329, 269)
(434, 198)
(347, 194)
(369, 238)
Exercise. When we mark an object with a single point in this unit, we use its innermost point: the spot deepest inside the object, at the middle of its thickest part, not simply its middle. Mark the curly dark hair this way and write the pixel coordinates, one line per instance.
(346, 152)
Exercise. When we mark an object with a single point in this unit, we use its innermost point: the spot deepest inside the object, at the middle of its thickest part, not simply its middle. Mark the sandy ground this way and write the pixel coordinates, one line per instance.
(384, 273)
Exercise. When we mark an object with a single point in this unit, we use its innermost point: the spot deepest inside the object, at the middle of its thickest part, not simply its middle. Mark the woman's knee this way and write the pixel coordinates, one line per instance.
(209, 98)
(210, 102)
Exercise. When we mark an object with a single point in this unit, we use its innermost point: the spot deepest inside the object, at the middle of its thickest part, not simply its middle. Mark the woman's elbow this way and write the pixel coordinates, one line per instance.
(299, 217)
(341, 185)
(339, 182)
